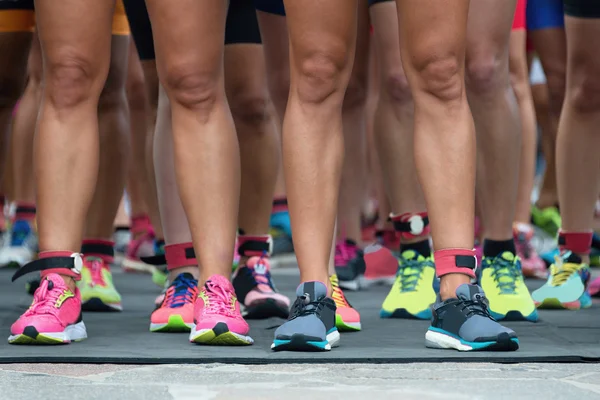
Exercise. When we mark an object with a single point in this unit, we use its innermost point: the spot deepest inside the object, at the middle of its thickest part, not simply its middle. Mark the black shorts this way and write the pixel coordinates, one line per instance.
(270, 6)
(16, 4)
(241, 26)
(582, 8)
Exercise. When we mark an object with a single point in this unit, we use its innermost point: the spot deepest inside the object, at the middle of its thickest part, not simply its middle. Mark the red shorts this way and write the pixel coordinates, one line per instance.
(519, 20)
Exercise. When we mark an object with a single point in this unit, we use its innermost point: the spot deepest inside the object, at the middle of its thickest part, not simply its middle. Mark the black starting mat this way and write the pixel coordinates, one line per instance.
(560, 336)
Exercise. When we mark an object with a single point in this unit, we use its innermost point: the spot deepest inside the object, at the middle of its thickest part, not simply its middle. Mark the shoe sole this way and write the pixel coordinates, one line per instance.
(402, 313)
(346, 326)
(220, 335)
(300, 342)
(30, 336)
(175, 324)
(555, 304)
(96, 304)
(266, 308)
(439, 339)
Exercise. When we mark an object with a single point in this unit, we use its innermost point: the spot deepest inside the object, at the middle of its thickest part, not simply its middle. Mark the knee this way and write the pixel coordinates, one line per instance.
(485, 75)
(193, 89)
(320, 77)
(114, 92)
(356, 92)
(71, 80)
(584, 93)
(251, 107)
(556, 81)
(440, 77)
(396, 88)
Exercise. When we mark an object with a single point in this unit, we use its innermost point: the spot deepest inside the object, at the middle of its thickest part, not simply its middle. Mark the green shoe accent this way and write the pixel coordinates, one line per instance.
(548, 219)
(343, 327)
(175, 324)
(159, 278)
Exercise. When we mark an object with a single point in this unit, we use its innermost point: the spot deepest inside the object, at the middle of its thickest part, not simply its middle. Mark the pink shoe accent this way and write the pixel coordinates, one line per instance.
(141, 245)
(217, 303)
(54, 317)
(345, 250)
(260, 268)
(531, 263)
(381, 264)
(594, 287)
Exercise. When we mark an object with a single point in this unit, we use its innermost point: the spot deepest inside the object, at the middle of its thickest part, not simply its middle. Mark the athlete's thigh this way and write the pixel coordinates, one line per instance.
(489, 26)
(188, 36)
(75, 31)
(322, 29)
(245, 71)
(385, 27)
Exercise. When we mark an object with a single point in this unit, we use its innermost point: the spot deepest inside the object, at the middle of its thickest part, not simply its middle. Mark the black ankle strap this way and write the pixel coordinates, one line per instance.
(155, 260)
(74, 263)
(252, 247)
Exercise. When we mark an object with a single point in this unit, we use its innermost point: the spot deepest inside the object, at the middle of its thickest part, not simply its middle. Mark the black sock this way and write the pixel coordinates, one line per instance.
(493, 248)
(423, 248)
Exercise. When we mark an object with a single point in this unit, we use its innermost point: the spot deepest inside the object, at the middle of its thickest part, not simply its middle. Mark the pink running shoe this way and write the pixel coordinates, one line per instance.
(217, 316)
(594, 287)
(256, 291)
(349, 264)
(381, 265)
(141, 245)
(54, 316)
(531, 263)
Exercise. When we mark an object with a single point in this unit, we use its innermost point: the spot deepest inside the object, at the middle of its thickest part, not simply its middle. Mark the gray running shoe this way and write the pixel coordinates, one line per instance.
(465, 324)
(311, 324)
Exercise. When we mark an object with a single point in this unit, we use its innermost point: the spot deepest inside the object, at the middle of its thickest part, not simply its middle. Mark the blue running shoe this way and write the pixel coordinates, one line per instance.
(23, 245)
(465, 324)
(311, 324)
(281, 221)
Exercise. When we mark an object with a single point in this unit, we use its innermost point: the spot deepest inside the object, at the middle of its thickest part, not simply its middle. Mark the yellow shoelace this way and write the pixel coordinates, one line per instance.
(338, 295)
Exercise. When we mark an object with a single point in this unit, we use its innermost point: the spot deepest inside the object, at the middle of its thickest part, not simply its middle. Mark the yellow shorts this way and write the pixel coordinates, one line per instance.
(24, 20)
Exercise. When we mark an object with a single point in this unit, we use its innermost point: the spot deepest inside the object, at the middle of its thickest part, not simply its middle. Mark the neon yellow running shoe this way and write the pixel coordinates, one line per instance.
(412, 293)
(547, 219)
(566, 285)
(98, 293)
(502, 281)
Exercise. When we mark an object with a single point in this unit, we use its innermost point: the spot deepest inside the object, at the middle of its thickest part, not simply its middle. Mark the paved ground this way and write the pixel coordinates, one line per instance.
(290, 382)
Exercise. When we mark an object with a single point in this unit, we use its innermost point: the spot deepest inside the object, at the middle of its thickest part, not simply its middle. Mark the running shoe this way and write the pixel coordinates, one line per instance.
(160, 272)
(566, 284)
(142, 244)
(98, 292)
(381, 265)
(413, 291)
(547, 219)
(465, 324)
(54, 316)
(121, 237)
(281, 221)
(217, 316)
(311, 324)
(347, 319)
(532, 264)
(22, 246)
(283, 249)
(176, 311)
(594, 287)
(595, 251)
(388, 238)
(502, 281)
(349, 264)
(256, 291)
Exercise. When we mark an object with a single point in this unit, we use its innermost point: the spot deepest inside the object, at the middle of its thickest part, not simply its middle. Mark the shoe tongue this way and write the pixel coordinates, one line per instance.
(55, 282)
(219, 281)
(185, 275)
(259, 265)
(469, 292)
(412, 255)
(314, 290)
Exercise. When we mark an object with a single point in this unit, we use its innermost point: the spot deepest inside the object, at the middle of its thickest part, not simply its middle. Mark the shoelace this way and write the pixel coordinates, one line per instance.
(478, 306)
(44, 299)
(261, 278)
(410, 272)
(504, 273)
(219, 299)
(338, 295)
(344, 252)
(307, 307)
(563, 272)
(96, 267)
(181, 292)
